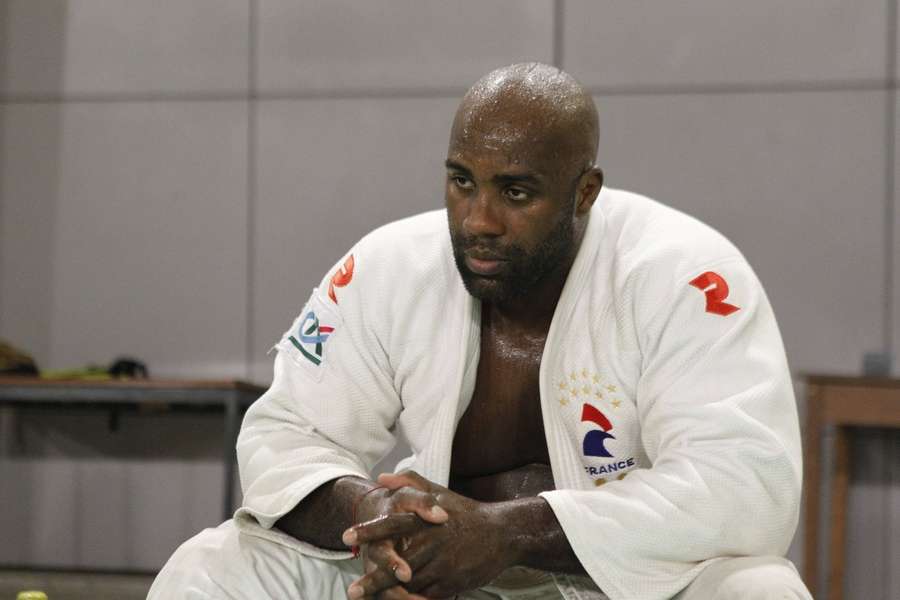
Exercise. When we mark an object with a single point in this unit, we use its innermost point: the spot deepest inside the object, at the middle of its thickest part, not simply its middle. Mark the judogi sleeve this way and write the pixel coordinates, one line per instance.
(719, 424)
(332, 405)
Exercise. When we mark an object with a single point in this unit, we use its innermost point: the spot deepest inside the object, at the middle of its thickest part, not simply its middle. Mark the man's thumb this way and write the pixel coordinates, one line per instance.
(394, 481)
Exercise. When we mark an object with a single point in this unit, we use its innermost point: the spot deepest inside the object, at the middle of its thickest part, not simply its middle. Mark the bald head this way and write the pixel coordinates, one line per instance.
(521, 182)
(533, 109)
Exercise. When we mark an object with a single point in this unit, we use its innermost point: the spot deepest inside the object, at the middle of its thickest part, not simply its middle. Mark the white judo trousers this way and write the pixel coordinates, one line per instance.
(229, 564)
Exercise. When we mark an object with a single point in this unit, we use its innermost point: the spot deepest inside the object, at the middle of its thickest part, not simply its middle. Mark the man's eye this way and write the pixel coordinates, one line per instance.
(462, 182)
(517, 195)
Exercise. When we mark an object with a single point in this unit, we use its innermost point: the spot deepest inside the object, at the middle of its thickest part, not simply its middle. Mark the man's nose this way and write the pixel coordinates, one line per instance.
(484, 216)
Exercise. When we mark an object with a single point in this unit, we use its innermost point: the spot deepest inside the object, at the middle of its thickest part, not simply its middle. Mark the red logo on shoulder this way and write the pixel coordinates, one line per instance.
(716, 290)
(341, 278)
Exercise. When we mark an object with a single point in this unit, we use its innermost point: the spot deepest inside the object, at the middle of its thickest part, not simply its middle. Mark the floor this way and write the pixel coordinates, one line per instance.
(69, 585)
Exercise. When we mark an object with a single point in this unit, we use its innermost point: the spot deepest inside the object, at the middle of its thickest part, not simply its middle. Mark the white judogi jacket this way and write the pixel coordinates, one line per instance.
(666, 397)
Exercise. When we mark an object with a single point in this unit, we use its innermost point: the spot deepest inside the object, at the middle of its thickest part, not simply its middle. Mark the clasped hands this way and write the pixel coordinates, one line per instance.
(420, 540)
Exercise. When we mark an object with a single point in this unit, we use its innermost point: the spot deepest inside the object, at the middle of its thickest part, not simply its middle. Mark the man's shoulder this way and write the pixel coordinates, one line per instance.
(404, 250)
(644, 233)
(419, 238)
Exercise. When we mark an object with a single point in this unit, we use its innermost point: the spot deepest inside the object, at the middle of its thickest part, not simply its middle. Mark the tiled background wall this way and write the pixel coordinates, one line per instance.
(175, 176)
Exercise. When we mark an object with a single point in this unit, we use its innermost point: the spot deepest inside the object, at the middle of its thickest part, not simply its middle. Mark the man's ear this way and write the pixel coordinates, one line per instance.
(589, 186)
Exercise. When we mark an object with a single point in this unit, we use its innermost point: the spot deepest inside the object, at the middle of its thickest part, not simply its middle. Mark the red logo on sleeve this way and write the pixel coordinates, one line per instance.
(716, 290)
(341, 278)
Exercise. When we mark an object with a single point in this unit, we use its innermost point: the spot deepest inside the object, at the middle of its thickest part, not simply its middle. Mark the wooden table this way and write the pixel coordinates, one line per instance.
(841, 402)
(229, 396)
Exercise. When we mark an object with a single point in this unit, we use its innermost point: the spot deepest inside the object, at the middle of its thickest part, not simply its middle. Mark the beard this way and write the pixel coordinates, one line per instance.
(522, 270)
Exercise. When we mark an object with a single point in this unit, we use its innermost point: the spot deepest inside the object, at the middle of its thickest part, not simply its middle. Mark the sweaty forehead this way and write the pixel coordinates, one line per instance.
(529, 135)
(527, 113)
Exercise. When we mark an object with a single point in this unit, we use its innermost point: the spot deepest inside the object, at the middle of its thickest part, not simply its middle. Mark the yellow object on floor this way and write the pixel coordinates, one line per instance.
(90, 373)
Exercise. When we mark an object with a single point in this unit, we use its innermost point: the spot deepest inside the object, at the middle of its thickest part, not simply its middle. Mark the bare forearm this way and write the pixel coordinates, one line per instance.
(323, 515)
(537, 537)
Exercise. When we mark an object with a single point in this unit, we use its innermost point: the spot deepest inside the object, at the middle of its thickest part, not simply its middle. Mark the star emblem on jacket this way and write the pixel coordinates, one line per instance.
(592, 400)
(590, 385)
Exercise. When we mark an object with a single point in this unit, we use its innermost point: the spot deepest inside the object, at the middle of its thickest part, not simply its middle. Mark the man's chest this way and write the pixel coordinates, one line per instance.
(502, 428)
(570, 400)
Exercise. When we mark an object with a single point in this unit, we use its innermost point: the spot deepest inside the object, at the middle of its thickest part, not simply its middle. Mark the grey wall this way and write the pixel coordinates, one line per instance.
(175, 176)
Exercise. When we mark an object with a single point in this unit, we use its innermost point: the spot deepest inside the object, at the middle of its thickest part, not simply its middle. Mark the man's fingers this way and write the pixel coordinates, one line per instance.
(418, 559)
(424, 504)
(380, 528)
(410, 479)
(393, 481)
(398, 593)
(376, 582)
(384, 554)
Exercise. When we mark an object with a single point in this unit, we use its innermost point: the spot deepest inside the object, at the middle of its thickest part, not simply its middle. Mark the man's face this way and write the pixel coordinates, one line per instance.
(510, 208)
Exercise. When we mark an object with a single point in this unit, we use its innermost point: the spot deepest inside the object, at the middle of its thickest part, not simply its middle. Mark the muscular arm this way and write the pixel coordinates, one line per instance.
(535, 536)
(524, 518)
(322, 516)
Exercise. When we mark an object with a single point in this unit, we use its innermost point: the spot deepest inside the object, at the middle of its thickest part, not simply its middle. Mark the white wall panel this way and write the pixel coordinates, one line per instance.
(29, 184)
(895, 297)
(647, 43)
(104, 513)
(346, 45)
(104, 46)
(83, 495)
(329, 172)
(795, 180)
(15, 518)
(892, 587)
(896, 48)
(150, 236)
(103, 505)
(39, 505)
(186, 499)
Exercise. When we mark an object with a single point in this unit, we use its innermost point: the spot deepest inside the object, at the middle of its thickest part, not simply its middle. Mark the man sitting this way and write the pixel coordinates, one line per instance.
(593, 385)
